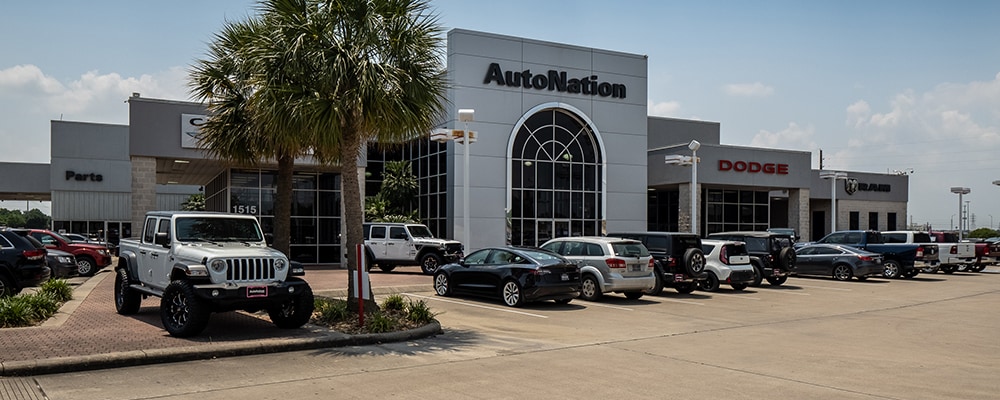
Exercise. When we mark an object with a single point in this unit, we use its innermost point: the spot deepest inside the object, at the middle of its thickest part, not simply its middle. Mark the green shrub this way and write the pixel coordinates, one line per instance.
(42, 305)
(15, 311)
(394, 302)
(417, 311)
(331, 310)
(58, 289)
(377, 322)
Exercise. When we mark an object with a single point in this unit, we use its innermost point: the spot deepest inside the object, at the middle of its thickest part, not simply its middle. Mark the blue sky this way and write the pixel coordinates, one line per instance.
(878, 85)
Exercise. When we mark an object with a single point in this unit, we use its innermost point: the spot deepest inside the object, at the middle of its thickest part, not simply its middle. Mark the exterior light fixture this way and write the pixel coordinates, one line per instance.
(833, 176)
(960, 191)
(692, 160)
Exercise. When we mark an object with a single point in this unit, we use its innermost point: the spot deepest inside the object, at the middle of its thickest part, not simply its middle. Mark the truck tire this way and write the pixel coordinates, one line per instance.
(786, 259)
(694, 261)
(758, 272)
(429, 263)
(127, 300)
(86, 266)
(294, 312)
(891, 269)
(183, 314)
(777, 280)
(711, 284)
(658, 286)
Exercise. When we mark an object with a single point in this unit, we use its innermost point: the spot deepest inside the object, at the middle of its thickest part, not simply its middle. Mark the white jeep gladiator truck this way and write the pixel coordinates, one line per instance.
(203, 262)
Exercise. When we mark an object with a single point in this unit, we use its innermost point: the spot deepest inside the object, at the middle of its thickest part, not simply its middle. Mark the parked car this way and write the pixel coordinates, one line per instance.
(21, 263)
(727, 262)
(517, 275)
(773, 254)
(677, 258)
(607, 264)
(61, 264)
(89, 257)
(838, 261)
(899, 259)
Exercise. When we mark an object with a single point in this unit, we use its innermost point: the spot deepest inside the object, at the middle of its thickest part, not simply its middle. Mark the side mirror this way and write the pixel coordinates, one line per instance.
(162, 239)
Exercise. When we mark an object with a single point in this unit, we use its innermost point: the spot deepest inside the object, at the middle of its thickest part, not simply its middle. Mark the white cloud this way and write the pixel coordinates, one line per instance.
(793, 137)
(664, 109)
(29, 99)
(755, 89)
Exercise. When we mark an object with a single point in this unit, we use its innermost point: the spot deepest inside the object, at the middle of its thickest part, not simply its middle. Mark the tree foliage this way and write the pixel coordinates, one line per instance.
(195, 202)
(984, 233)
(394, 201)
(34, 219)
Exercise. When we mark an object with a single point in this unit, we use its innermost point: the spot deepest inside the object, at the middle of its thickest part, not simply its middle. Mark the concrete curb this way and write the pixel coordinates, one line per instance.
(191, 353)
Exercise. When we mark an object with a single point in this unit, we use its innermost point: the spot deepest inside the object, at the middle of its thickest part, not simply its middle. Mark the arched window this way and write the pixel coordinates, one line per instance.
(556, 170)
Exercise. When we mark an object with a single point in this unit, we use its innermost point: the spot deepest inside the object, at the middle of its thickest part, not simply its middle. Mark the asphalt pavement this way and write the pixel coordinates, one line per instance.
(88, 334)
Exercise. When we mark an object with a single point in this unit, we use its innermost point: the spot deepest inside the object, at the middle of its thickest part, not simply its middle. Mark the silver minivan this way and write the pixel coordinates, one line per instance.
(608, 264)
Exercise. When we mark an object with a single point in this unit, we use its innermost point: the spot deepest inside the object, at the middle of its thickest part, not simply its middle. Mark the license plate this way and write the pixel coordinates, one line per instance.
(635, 268)
(564, 277)
(256, 291)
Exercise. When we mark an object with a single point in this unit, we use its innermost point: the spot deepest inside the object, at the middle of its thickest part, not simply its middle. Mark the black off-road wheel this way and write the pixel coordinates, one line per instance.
(633, 295)
(183, 314)
(758, 273)
(694, 261)
(658, 286)
(386, 268)
(711, 284)
(86, 266)
(429, 263)
(127, 300)
(786, 259)
(294, 312)
(739, 286)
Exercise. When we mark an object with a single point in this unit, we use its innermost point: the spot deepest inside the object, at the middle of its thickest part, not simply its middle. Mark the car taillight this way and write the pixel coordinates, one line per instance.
(954, 250)
(864, 258)
(36, 254)
(920, 251)
(615, 263)
(671, 261)
(652, 264)
(724, 255)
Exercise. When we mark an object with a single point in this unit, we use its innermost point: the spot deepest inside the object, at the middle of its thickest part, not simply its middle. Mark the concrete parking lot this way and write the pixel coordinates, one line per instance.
(932, 337)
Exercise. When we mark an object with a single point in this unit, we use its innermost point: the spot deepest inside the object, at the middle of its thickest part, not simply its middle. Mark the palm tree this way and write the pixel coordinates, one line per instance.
(326, 78)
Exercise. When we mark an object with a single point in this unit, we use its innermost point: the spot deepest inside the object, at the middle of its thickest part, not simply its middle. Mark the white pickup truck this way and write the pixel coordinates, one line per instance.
(954, 255)
(203, 262)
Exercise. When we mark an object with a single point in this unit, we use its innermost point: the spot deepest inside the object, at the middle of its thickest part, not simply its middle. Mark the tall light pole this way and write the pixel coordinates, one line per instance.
(465, 137)
(675, 159)
(833, 176)
(960, 191)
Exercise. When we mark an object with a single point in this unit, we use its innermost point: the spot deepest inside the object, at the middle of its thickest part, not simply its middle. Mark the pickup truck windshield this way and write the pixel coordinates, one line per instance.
(202, 229)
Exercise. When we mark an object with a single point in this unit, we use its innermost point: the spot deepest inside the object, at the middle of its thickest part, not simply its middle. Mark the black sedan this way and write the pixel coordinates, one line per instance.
(517, 275)
(840, 262)
(62, 264)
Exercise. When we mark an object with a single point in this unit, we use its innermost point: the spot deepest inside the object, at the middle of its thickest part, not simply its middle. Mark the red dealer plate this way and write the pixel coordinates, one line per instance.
(256, 291)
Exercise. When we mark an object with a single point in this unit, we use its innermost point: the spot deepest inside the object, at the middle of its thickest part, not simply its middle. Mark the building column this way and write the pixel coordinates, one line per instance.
(798, 212)
(684, 209)
(143, 191)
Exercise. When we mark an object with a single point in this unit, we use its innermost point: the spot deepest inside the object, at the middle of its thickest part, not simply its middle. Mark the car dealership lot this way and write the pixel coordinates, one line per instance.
(930, 337)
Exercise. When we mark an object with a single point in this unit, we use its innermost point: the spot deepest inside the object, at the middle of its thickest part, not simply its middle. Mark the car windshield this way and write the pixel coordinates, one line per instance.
(543, 255)
(209, 229)
(420, 231)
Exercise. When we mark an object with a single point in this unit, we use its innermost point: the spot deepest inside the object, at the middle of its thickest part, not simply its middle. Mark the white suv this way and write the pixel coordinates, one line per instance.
(726, 261)
(608, 265)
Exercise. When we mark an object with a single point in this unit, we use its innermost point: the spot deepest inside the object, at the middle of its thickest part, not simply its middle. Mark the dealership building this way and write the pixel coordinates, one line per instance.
(564, 146)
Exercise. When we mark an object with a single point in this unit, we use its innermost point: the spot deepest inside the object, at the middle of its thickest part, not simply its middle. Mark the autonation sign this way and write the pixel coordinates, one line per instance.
(554, 80)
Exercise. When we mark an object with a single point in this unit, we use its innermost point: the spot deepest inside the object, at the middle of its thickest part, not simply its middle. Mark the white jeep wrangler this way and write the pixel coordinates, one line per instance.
(389, 244)
(204, 262)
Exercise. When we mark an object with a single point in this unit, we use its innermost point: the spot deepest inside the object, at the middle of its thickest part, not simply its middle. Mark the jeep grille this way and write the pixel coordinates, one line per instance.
(249, 269)
(453, 248)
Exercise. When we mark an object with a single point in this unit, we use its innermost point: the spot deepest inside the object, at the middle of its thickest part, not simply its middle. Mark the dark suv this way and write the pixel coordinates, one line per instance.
(772, 254)
(21, 263)
(679, 260)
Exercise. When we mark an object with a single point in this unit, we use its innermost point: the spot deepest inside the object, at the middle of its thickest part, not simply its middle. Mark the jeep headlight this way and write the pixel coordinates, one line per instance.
(279, 265)
(218, 266)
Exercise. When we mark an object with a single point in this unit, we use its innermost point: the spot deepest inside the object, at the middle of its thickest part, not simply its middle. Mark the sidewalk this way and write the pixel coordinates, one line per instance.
(87, 333)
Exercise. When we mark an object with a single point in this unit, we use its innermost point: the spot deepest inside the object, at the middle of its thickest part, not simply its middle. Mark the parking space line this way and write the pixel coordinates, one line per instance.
(591, 303)
(786, 291)
(742, 296)
(682, 301)
(475, 305)
(827, 288)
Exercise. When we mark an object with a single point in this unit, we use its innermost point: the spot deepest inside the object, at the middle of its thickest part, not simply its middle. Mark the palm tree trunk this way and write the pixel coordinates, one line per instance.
(353, 214)
(283, 205)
